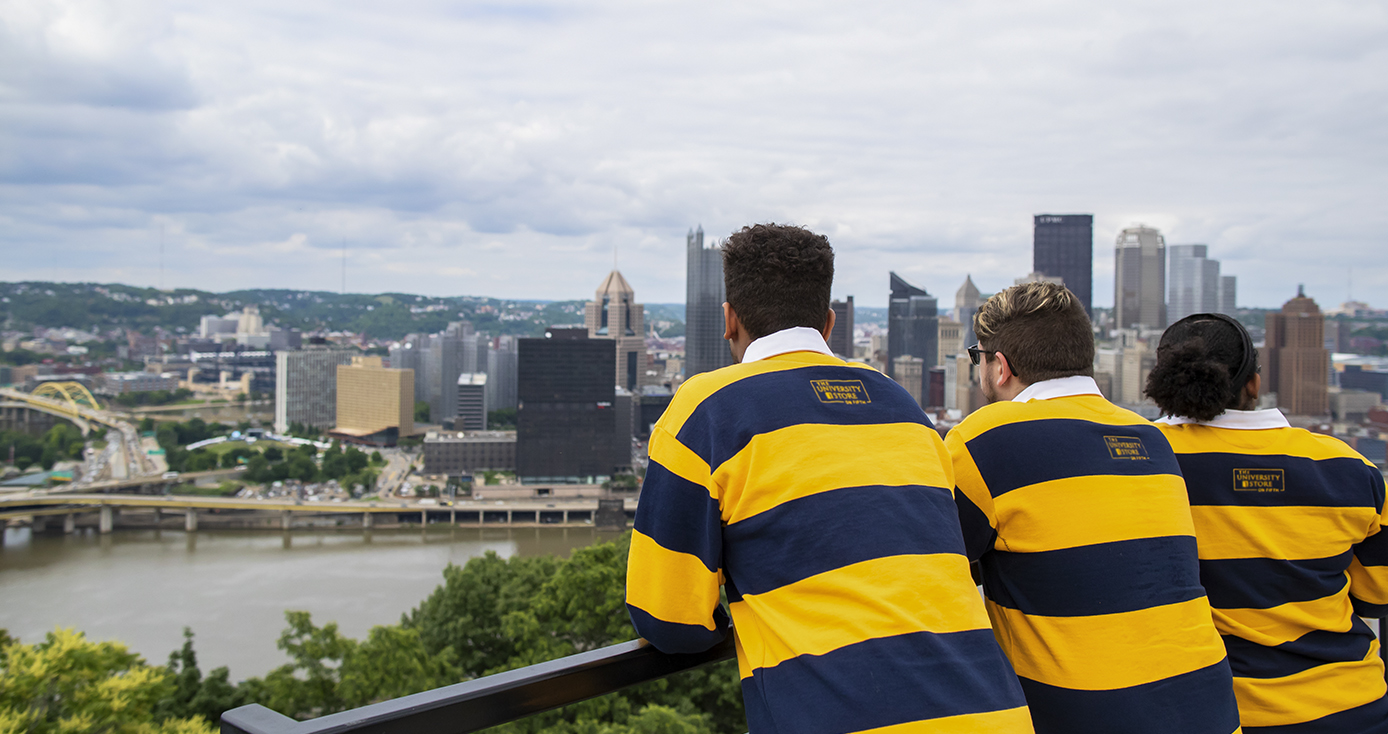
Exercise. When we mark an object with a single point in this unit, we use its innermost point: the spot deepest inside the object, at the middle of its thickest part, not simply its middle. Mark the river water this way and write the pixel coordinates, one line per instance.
(142, 587)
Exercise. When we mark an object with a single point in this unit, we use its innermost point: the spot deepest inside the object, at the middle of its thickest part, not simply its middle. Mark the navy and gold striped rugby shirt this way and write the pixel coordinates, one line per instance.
(1289, 524)
(1078, 513)
(817, 495)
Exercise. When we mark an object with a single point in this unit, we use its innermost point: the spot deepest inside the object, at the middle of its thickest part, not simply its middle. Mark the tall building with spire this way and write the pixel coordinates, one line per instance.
(614, 314)
(1295, 361)
(966, 301)
(1139, 283)
(913, 324)
(1063, 247)
(704, 293)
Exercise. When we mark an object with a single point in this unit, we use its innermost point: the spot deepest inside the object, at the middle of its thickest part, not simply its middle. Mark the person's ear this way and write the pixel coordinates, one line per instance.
(732, 325)
(1004, 369)
(829, 327)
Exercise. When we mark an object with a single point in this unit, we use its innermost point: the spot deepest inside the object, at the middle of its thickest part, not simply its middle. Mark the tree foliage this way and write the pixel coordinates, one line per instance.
(69, 684)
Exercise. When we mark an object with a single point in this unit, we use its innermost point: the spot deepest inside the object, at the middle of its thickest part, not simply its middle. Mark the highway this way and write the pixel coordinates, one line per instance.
(127, 461)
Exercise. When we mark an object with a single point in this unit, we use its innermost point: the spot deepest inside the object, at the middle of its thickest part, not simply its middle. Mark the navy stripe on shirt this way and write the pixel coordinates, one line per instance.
(726, 421)
(680, 638)
(786, 543)
(1016, 455)
(689, 519)
(1198, 702)
(1264, 583)
(1337, 482)
(1311, 650)
(1108, 578)
(878, 683)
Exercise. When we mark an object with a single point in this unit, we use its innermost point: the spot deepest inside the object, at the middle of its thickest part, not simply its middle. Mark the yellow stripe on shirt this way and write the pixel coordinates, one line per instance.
(1286, 532)
(1311, 694)
(1110, 651)
(883, 597)
(659, 585)
(1088, 510)
(918, 458)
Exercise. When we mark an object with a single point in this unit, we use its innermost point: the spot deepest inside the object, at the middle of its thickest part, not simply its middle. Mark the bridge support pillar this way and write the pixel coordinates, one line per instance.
(508, 517)
(108, 519)
(190, 521)
(366, 519)
(38, 524)
(286, 520)
(423, 518)
(69, 523)
(452, 517)
(566, 517)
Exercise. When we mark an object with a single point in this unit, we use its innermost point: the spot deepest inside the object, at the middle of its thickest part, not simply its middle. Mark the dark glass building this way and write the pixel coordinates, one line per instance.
(913, 324)
(704, 348)
(566, 425)
(1063, 246)
(841, 338)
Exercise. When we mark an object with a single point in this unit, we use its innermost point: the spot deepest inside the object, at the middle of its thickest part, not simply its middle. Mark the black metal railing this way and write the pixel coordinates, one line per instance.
(477, 704)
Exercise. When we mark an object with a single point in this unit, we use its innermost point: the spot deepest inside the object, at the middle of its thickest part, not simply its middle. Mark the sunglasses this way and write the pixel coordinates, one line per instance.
(976, 354)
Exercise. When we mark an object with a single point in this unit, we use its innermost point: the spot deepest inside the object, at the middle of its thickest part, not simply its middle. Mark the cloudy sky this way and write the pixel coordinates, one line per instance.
(510, 149)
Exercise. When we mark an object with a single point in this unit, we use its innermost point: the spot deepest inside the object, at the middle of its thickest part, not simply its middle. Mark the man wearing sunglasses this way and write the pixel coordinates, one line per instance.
(1078, 514)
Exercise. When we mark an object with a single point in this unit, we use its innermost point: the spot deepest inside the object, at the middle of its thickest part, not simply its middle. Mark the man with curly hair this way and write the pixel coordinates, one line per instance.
(816, 494)
(1078, 513)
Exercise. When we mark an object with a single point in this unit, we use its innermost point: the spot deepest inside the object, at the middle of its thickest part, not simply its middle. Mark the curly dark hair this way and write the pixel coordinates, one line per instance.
(778, 276)
(1198, 361)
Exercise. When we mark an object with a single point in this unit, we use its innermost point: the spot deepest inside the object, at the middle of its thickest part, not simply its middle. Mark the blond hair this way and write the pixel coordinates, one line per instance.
(1041, 328)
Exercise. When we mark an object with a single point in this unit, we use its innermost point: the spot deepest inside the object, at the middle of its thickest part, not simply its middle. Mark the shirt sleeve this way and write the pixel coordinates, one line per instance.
(1368, 571)
(674, 569)
(977, 516)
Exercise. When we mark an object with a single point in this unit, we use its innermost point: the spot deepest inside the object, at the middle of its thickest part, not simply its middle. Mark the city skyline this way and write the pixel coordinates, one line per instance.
(449, 151)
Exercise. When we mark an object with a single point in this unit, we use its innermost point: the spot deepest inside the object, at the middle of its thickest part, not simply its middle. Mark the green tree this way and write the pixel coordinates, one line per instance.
(69, 684)
(196, 696)
(421, 411)
(465, 613)
(273, 453)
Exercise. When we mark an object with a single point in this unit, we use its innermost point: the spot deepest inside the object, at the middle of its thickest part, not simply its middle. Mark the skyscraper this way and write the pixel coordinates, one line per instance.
(1139, 284)
(1194, 282)
(306, 387)
(913, 326)
(704, 293)
(1228, 292)
(841, 338)
(472, 402)
(1295, 361)
(566, 426)
(614, 314)
(966, 301)
(501, 374)
(1062, 245)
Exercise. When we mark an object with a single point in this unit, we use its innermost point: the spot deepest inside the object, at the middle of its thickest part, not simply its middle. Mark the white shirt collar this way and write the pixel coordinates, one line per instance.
(1243, 420)
(1061, 387)
(794, 339)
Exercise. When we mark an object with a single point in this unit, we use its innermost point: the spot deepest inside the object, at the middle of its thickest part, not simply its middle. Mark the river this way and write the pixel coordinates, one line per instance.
(231, 587)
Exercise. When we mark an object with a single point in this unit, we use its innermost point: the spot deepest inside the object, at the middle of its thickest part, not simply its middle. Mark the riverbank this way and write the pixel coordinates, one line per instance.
(142, 586)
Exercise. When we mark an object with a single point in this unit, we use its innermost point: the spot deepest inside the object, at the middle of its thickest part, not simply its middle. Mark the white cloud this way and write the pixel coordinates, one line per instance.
(506, 150)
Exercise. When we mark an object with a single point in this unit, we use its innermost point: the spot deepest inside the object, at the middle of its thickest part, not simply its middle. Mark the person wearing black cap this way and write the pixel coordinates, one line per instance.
(1288, 527)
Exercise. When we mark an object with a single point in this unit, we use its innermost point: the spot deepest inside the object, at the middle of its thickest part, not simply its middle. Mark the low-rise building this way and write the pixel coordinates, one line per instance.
(120, 383)
(464, 452)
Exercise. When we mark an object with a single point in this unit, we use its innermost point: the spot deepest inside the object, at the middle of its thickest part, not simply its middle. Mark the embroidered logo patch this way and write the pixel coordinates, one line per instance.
(1125, 447)
(1260, 480)
(844, 392)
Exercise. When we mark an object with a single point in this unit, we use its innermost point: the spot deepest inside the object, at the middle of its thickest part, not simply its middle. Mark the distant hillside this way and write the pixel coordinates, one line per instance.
(97, 307)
